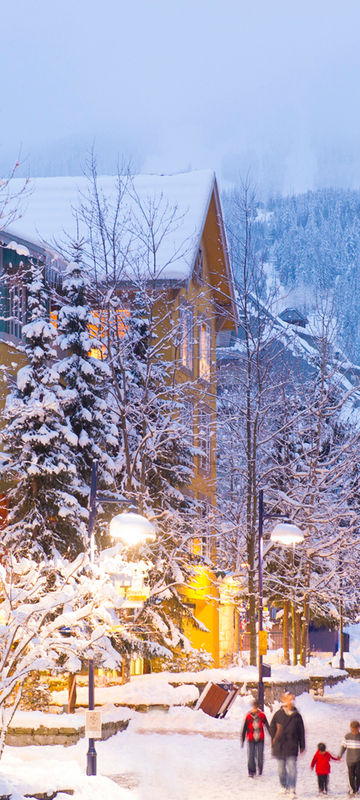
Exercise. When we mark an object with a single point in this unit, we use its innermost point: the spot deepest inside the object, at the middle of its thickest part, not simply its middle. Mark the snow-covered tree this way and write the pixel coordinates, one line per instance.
(40, 472)
(314, 481)
(312, 241)
(283, 428)
(54, 615)
(154, 464)
(86, 379)
(250, 391)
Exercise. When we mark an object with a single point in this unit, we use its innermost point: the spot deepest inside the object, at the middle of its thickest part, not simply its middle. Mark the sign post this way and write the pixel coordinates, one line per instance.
(93, 724)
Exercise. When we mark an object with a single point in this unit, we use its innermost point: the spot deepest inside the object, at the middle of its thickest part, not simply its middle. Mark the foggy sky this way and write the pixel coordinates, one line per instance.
(271, 87)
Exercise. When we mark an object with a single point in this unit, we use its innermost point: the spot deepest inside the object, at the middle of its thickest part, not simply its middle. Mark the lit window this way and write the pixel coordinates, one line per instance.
(204, 351)
(186, 337)
(99, 328)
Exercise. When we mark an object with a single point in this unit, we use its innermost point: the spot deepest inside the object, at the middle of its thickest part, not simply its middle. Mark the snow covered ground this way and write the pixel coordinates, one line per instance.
(195, 757)
(183, 754)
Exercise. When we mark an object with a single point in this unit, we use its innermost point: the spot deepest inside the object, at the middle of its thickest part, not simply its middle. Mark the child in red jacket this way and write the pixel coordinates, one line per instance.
(321, 762)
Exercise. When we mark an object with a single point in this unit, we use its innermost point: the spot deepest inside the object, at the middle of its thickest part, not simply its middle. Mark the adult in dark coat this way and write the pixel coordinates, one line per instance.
(287, 738)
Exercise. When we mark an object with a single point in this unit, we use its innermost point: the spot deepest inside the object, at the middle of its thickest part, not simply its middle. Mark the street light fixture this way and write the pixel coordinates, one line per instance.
(132, 529)
(285, 533)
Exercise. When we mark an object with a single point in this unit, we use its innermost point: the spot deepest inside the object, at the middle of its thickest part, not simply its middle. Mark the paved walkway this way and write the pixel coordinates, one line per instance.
(196, 767)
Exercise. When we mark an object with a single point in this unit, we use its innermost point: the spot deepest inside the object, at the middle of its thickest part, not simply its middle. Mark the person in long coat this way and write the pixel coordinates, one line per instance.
(287, 739)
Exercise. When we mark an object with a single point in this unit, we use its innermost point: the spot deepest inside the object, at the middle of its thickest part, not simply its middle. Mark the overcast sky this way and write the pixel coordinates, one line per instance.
(271, 86)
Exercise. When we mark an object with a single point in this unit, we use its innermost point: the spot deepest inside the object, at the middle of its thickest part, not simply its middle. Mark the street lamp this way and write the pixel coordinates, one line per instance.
(132, 529)
(285, 533)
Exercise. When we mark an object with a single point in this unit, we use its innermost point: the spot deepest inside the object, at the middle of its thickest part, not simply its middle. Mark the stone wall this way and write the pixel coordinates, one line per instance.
(22, 737)
(273, 691)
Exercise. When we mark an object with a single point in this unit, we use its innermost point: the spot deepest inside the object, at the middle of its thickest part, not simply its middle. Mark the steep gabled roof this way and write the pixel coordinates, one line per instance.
(48, 213)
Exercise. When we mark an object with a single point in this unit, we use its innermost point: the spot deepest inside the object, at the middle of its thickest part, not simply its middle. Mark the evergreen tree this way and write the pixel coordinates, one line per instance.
(85, 377)
(43, 512)
(313, 242)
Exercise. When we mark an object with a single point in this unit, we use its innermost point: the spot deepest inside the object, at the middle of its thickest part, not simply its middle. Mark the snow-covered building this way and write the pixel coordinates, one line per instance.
(191, 263)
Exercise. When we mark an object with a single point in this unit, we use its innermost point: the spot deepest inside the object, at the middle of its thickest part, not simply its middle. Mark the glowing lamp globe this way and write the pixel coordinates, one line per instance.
(132, 529)
(286, 533)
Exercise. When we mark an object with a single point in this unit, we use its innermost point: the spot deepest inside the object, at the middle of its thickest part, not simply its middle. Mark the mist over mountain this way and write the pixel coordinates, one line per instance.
(310, 244)
(281, 166)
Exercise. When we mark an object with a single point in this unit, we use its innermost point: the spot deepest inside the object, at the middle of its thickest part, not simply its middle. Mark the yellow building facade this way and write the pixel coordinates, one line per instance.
(202, 303)
(204, 306)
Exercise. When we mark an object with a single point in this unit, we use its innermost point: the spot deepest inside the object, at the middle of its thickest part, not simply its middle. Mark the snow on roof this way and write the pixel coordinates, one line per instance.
(48, 213)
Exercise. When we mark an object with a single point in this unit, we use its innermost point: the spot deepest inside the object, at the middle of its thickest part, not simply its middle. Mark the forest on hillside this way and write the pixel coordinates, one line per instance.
(312, 243)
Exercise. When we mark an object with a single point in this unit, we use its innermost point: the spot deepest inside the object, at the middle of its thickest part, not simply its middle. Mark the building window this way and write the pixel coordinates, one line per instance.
(186, 337)
(53, 279)
(204, 351)
(100, 325)
(206, 546)
(187, 420)
(204, 439)
(17, 310)
(206, 539)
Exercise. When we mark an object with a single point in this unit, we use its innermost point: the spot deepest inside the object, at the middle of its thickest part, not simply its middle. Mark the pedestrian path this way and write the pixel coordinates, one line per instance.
(179, 766)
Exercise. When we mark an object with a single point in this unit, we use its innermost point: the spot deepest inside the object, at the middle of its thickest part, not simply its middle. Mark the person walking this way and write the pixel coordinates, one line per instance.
(287, 738)
(351, 743)
(253, 731)
(321, 762)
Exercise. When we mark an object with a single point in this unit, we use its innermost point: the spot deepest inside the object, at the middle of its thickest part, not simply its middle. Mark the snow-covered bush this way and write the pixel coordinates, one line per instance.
(183, 661)
(54, 615)
(36, 694)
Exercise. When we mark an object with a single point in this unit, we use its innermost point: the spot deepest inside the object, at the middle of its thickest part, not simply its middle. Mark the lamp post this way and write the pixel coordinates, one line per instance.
(284, 533)
(341, 619)
(341, 636)
(91, 753)
(132, 529)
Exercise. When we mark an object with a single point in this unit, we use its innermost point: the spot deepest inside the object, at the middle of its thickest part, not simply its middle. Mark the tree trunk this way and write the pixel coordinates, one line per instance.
(304, 632)
(298, 634)
(71, 693)
(286, 632)
(125, 670)
(252, 620)
(293, 620)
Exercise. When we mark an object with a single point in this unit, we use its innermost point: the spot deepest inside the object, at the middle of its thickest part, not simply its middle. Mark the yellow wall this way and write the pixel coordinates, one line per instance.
(202, 296)
(202, 593)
